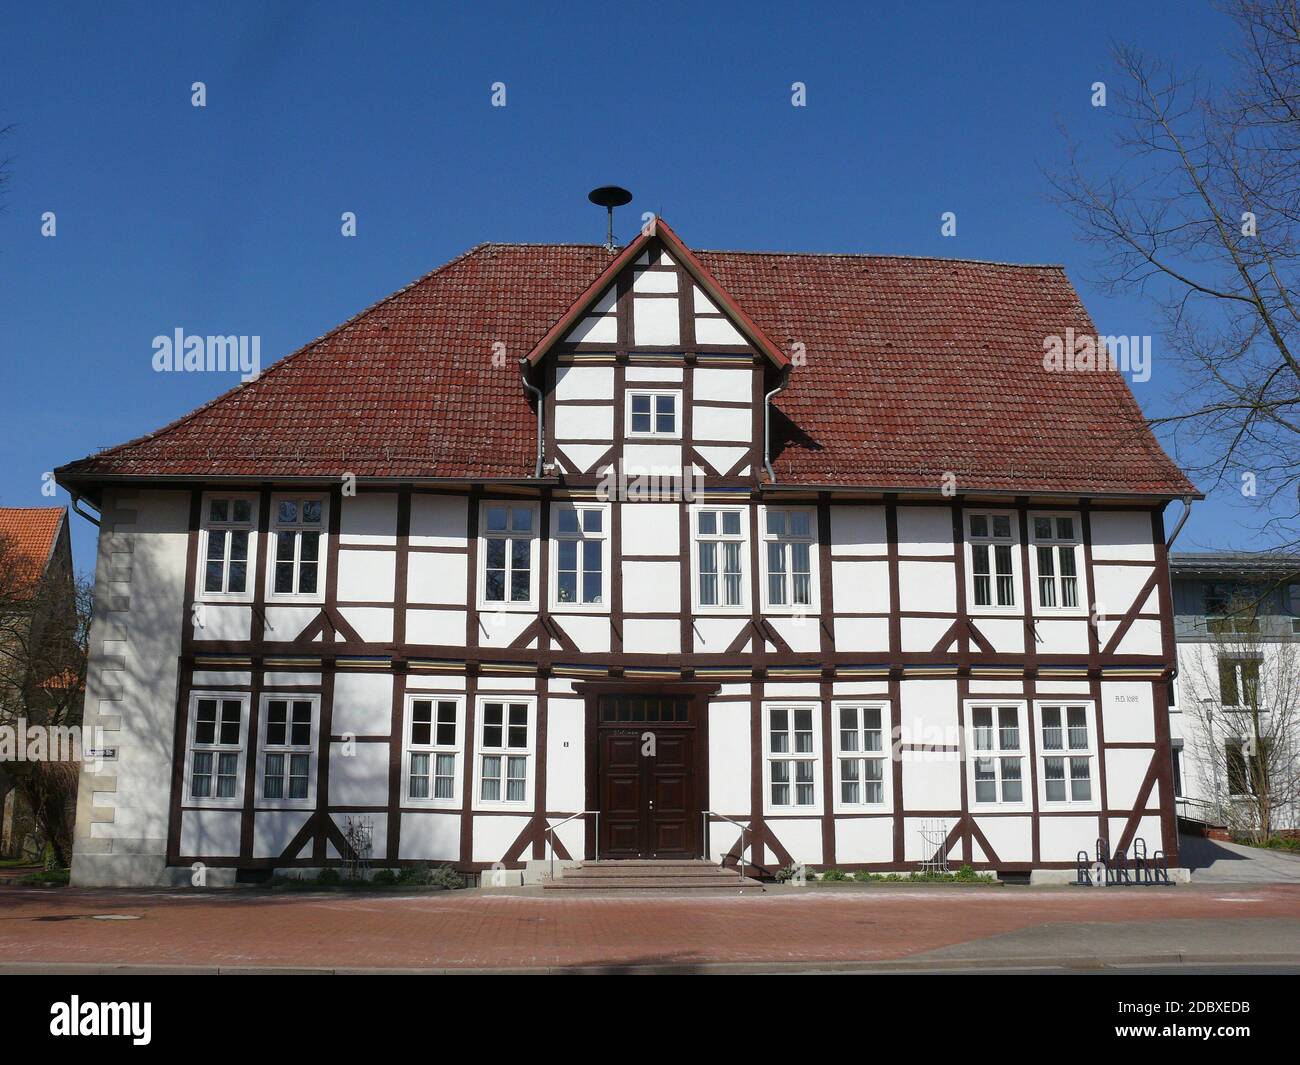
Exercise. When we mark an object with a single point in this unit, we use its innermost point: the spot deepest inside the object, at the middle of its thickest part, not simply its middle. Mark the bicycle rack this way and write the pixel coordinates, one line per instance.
(1139, 867)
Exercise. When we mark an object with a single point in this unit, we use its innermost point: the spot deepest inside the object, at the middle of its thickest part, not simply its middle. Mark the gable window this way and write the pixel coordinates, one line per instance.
(228, 530)
(788, 539)
(720, 546)
(509, 549)
(998, 753)
(1056, 560)
(791, 755)
(992, 555)
(214, 765)
(653, 413)
(1067, 754)
(860, 754)
(433, 745)
(288, 753)
(581, 555)
(1239, 682)
(298, 532)
(505, 751)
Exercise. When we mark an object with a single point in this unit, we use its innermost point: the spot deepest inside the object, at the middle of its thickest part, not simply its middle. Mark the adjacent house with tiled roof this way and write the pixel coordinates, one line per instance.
(649, 554)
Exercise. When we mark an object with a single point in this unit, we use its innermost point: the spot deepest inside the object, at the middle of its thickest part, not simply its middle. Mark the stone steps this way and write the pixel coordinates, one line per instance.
(642, 875)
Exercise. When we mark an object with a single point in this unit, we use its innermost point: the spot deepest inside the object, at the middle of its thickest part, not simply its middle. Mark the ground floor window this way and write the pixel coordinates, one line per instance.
(505, 751)
(215, 743)
(1066, 753)
(861, 754)
(433, 749)
(791, 754)
(288, 749)
(998, 754)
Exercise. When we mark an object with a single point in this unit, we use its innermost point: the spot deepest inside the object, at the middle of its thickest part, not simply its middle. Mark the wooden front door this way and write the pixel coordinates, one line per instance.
(646, 777)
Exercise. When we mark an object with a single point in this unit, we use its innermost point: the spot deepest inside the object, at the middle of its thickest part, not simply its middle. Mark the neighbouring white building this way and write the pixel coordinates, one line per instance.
(441, 570)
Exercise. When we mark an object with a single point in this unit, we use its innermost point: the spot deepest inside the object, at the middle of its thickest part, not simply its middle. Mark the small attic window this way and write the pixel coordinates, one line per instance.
(653, 414)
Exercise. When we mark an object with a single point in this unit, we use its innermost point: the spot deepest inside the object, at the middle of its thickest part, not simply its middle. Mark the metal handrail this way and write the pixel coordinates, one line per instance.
(550, 833)
(705, 815)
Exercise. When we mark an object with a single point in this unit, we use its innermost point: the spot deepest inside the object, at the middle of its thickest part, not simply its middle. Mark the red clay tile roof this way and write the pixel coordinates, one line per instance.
(915, 368)
(28, 535)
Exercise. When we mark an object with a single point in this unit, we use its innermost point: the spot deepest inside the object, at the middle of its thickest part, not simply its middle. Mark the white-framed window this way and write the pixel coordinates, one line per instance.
(580, 556)
(434, 729)
(299, 526)
(997, 746)
(862, 753)
(1067, 754)
(227, 546)
(504, 763)
(792, 754)
(653, 412)
(1239, 682)
(287, 753)
(719, 558)
(216, 740)
(1055, 555)
(991, 559)
(789, 537)
(508, 538)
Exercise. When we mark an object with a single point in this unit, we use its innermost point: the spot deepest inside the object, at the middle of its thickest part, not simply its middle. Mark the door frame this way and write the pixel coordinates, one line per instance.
(591, 691)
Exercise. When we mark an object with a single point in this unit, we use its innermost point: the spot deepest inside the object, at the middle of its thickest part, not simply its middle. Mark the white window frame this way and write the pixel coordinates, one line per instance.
(1238, 660)
(1082, 591)
(653, 434)
(997, 754)
(606, 540)
(812, 540)
(1066, 752)
(885, 755)
(528, 752)
(971, 541)
(433, 749)
(535, 538)
(206, 526)
(746, 560)
(217, 748)
(275, 527)
(791, 756)
(311, 749)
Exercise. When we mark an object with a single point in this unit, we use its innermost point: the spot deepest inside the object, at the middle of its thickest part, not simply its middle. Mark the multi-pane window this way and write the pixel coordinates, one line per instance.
(791, 756)
(508, 539)
(652, 414)
(720, 547)
(788, 538)
(1247, 763)
(288, 747)
(216, 753)
(1239, 682)
(1067, 754)
(992, 549)
(1056, 547)
(504, 752)
(1293, 605)
(298, 534)
(999, 756)
(580, 551)
(228, 534)
(433, 749)
(861, 755)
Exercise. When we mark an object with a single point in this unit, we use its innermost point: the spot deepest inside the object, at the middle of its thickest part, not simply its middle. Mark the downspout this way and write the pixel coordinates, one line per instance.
(767, 424)
(76, 507)
(523, 376)
(1187, 510)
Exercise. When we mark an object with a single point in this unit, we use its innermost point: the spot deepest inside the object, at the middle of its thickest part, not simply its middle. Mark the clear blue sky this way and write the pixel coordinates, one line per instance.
(225, 219)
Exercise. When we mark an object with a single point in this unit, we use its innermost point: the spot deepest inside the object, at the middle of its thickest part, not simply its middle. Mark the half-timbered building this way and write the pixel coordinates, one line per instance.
(806, 558)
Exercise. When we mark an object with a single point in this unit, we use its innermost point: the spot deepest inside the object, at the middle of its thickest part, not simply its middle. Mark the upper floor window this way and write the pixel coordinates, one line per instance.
(288, 752)
(508, 550)
(1239, 682)
(1293, 605)
(653, 413)
(860, 755)
(998, 751)
(214, 765)
(298, 532)
(227, 546)
(505, 751)
(992, 559)
(720, 548)
(791, 749)
(581, 555)
(1247, 762)
(1056, 560)
(1067, 754)
(788, 538)
(433, 749)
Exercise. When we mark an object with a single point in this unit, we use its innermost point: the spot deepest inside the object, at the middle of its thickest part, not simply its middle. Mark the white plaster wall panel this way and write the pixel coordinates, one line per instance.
(430, 837)
(522, 684)
(286, 623)
(722, 459)
(651, 587)
(579, 458)
(601, 329)
(729, 691)
(801, 837)
(701, 303)
(494, 835)
(363, 704)
(367, 576)
(205, 678)
(566, 767)
(927, 712)
(801, 633)
(437, 627)
(921, 634)
(498, 628)
(860, 587)
(435, 682)
(1007, 635)
(650, 636)
(858, 530)
(273, 830)
(1124, 772)
(560, 685)
(210, 833)
(726, 386)
(359, 778)
(983, 686)
(654, 281)
(1117, 587)
(717, 331)
(1049, 687)
(1148, 829)
(379, 834)
(605, 302)
(1127, 713)
(864, 839)
(1062, 636)
(862, 634)
(373, 624)
(438, 520)
(584, 422)
(915, 847)
(589, 632)
(791, 690)
(573, 836)
(1142, 638)
(1012, 838)
(651, 528)
(655, 321)
(859, 687)
(437, 577)
(724, 838)
(715, 634)
(1122, 534)
(924, 531)
(927, 586)
(584, 382)
(224, 621)
(654, 373)
(281, 679)
(661, 459)
(931, 780)
(722, 423)
(1061, 838)
(368, 518)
